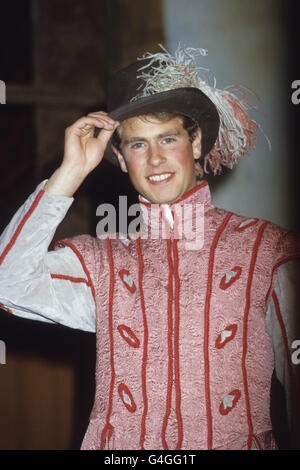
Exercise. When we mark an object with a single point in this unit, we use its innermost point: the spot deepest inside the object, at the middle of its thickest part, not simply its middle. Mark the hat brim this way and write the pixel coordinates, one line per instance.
(190, 102)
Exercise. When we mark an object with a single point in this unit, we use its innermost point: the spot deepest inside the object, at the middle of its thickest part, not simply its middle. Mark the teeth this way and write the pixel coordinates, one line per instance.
(159, 177)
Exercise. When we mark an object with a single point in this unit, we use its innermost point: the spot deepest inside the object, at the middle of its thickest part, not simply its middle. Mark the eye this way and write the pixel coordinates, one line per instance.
(169, 140)
(137, 145)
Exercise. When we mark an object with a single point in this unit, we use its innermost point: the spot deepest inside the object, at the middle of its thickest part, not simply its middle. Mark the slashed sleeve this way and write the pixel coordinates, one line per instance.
(49, 286)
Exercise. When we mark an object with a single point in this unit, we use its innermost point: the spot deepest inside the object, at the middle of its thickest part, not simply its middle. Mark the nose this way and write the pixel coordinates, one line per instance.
(155, 155)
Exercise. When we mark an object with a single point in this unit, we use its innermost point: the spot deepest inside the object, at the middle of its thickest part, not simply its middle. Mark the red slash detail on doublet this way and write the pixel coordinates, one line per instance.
(230, 277)
(229, 402)
(245, 224)
(225, 336)
(129, 336)
(127, 280)
(125, 241)
(127, 398)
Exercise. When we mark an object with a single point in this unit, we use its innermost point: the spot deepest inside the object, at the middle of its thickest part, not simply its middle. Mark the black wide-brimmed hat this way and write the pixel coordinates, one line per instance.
(124, 101)
(162, 82)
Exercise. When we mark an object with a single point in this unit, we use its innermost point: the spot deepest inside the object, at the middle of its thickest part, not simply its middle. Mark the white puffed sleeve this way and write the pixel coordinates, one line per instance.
(38, 284)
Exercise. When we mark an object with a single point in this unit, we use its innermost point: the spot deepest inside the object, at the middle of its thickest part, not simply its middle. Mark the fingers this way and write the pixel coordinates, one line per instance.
(104, 135)
(108, 126)
(104, 120)
(99, 119)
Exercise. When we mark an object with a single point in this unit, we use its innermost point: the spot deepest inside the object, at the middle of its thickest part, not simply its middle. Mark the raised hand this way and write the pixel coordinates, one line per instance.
(82, 152)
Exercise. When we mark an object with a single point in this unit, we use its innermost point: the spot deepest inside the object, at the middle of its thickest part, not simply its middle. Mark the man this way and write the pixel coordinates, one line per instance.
(186, 319)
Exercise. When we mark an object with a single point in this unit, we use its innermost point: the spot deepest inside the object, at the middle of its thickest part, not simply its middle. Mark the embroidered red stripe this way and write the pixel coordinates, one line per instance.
(245, 328)
(206, 328)
(170, 349)
(111, 341)
(256, 441)
(80, 257)
(145, 348)
(21, 225)
(107, 433)
(176, 347)
(288, 355)
(70, 278)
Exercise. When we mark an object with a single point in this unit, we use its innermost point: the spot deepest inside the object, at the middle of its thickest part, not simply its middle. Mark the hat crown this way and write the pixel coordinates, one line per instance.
(125, 85)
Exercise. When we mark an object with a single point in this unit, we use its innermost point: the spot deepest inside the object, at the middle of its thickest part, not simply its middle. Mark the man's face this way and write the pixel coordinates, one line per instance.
(159, 157)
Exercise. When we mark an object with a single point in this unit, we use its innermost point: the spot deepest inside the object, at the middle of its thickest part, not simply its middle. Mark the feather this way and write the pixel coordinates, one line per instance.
(237, 132)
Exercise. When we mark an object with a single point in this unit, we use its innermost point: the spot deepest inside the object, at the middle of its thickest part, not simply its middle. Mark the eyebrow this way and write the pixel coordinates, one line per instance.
(133, 139)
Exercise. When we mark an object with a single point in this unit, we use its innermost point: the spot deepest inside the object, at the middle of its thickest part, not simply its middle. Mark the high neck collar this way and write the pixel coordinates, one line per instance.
(199, 193)
(181, 219)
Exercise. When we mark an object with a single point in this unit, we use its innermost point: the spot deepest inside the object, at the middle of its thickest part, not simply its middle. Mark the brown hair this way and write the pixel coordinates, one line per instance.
(188, 124)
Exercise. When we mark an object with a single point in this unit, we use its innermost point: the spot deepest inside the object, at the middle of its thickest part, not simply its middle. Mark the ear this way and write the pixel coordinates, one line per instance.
(196, 144)
(121, 159)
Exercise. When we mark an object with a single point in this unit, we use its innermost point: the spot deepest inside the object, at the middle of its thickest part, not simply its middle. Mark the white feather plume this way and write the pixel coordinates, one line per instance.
(237, 132)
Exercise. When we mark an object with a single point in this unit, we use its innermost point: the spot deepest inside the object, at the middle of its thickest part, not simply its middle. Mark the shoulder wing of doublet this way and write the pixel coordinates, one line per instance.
(237, 226)
(82, 243)
(90, 250)
(274, 242)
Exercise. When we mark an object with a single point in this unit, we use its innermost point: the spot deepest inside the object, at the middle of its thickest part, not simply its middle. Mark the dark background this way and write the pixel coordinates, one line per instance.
(56, 57)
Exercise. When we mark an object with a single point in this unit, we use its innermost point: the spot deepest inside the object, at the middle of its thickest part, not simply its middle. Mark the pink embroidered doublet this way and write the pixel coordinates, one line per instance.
(184, 360)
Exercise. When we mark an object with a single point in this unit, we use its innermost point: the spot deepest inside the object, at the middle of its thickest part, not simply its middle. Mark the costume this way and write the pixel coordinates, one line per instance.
(188, 312)
(184, 359)
(182, 332)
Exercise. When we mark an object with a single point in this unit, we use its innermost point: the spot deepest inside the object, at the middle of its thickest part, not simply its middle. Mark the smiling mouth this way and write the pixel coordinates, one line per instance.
(159, 178)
